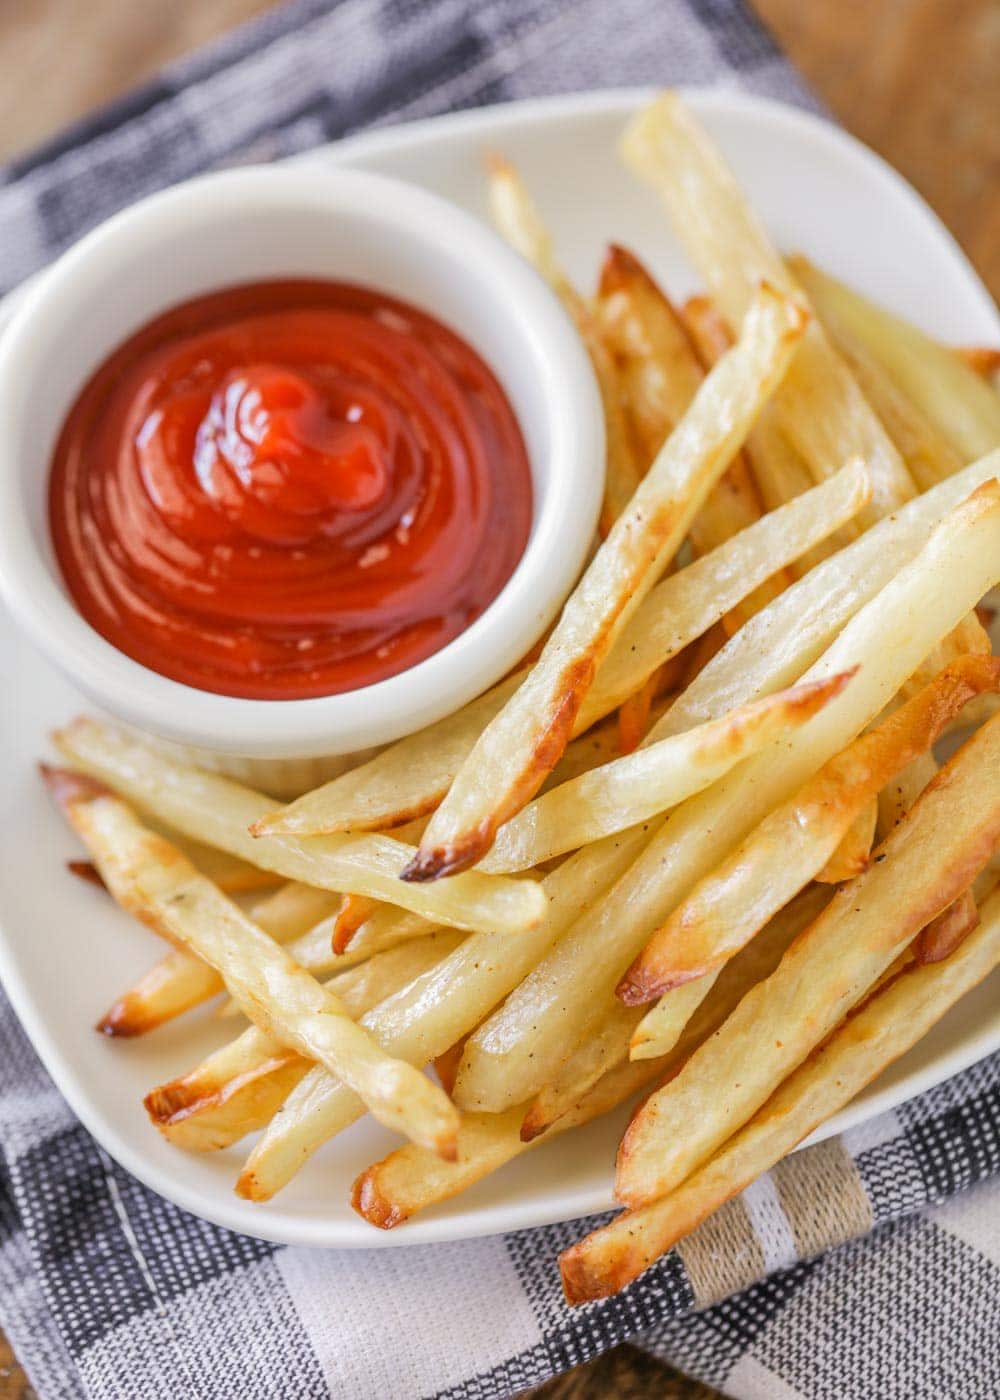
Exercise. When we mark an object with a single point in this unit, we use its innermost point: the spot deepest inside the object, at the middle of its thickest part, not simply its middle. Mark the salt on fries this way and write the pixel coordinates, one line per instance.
(757, 864)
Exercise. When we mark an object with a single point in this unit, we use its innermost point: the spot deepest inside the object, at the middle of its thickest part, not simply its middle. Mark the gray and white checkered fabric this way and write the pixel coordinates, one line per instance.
(105, 1289)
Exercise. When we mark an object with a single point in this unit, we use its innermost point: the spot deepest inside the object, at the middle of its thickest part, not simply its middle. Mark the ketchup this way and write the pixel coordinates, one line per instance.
(288, 490)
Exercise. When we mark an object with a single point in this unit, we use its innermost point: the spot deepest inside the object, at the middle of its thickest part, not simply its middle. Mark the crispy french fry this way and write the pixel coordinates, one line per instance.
(232, 875)
(414, 774)
(772, 644)
(656, 777)
(865, 1044)
(205, 805)
(661, 372)
(177, 983)
(411, 1179)
(155, 881)
(238, 1089)
(778, 470)
(514, 753)
(796, 841)
(946, 390)
(657, 1033)
(712, 339)
(819, 405)
(517, 218)
(441, 1007)
(546, 1017)
(851, 855)
(929, 860)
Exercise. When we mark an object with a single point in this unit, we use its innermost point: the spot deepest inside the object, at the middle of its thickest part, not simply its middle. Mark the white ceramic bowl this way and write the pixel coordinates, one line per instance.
(254, 224)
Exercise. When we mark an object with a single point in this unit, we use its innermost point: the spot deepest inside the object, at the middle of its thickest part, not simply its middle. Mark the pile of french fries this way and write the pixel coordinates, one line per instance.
(699, 846)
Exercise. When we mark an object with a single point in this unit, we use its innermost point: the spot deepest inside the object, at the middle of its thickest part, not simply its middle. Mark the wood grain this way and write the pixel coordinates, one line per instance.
(918, 80)
(915, 79)
(13, 1382)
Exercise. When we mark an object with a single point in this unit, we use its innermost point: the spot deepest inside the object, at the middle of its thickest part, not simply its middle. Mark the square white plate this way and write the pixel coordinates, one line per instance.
(65, 953)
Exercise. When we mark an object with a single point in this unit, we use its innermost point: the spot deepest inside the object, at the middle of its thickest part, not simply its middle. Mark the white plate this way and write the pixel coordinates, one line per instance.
(64, 953)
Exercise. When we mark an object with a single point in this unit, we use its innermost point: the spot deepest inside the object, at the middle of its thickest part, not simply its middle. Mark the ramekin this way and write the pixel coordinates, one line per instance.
(253, 224)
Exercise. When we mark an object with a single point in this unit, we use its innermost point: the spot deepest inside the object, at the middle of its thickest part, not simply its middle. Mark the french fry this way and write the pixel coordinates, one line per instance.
(661, 372)
(778, 470)
(703, 1011)
(928, 860)
(238, 1089)
(177, 983)
(411, 1179)
(414, 774)
(514, 753)
(211, 807)
(507, 1059)
(153, 880)
(859, 1049)
(774, 648)
(517, 218)
(959, 403)
(851, 855)
(659, 1030)
(786, 475)
(441, 1007)
(657, 776)
(819, 405)
(798, 838)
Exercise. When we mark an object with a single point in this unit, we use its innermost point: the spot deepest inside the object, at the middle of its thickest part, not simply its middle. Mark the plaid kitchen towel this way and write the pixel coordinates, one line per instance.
(866, 1266)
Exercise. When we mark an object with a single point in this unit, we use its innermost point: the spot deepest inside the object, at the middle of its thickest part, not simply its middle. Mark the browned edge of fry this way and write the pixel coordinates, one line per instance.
(646, 980)
(943, 935)
(441, 861)
(86, 871)
(369, 1202)
(178, 1099)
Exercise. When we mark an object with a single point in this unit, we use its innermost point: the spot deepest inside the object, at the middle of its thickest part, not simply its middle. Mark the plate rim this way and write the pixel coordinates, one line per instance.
(319, 1232)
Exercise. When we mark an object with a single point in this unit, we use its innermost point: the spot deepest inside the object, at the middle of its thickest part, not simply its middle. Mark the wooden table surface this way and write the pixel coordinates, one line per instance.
(915, 79)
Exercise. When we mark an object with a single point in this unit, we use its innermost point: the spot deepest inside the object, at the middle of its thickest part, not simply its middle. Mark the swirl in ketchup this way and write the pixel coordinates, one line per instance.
(288, 490)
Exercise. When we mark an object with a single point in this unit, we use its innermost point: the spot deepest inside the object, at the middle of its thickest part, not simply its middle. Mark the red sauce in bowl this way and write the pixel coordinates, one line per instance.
(288, 490)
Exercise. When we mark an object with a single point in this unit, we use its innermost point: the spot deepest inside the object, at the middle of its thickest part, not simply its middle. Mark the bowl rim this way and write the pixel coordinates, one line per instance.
(562, 528)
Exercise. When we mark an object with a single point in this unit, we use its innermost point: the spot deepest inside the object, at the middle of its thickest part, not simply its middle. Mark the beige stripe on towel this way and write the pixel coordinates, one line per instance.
(822, 1196)
(723, 1255)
